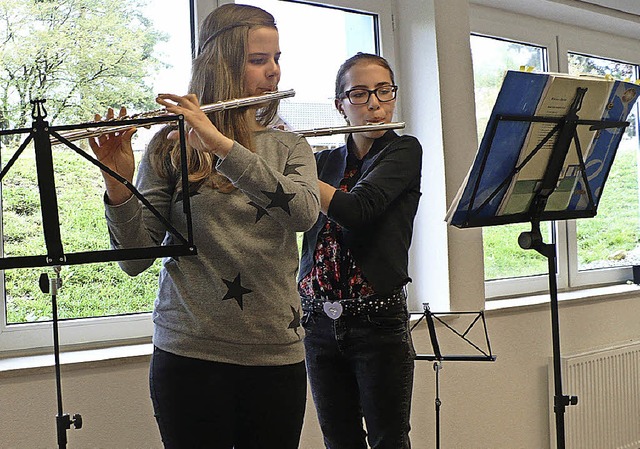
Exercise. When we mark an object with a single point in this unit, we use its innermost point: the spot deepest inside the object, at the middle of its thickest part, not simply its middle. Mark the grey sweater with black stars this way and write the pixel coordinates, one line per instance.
(236, 301)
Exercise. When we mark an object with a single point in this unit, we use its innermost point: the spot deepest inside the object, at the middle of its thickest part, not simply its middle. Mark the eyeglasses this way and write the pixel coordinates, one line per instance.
(362, 96)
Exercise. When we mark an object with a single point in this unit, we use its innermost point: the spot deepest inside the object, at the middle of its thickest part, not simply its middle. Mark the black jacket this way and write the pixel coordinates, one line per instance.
(377, 213)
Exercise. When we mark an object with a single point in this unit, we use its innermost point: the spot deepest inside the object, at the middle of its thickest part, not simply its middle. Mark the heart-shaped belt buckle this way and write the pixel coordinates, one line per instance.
(332, 309)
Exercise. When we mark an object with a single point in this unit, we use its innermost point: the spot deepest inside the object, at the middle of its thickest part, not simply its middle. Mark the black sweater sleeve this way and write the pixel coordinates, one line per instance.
(394, 169)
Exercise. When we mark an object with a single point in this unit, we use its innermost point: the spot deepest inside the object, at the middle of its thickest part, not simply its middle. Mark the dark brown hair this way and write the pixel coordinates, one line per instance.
(356, 59)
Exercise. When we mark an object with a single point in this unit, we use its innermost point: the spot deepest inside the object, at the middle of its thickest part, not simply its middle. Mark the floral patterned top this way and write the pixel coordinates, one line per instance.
(335, 274)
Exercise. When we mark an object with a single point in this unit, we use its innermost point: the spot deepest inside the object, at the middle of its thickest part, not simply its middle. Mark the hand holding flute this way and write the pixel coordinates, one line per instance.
(114, 148)
(115, 151)
(202, 134)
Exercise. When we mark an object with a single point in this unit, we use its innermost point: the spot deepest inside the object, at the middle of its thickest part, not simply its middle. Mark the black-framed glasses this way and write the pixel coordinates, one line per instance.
(362, 96)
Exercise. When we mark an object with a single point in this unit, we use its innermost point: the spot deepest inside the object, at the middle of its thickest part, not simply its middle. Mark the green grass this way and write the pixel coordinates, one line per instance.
(88, 290)
(504, 258)
(103, 289)
(614, 229)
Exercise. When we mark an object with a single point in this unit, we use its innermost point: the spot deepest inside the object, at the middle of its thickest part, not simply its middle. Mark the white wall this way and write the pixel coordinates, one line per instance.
(492, 405)
(503, 404)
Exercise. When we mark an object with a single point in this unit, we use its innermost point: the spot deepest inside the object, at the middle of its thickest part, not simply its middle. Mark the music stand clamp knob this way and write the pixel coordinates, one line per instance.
(50, 285)
(560, 402)
(65, 421)
(77, 421)
(529, 239)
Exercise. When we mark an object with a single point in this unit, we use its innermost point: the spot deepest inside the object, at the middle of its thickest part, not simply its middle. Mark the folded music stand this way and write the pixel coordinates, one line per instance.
(562, 135)
(42, 134)
(479, 354)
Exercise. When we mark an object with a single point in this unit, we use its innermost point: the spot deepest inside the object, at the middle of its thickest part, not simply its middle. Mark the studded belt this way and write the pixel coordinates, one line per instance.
(352, 306)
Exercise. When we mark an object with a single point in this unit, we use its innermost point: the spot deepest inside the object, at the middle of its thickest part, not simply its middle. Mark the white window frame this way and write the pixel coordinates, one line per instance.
(382, 8)
(558, 39)
(624, 50)
(88, 332)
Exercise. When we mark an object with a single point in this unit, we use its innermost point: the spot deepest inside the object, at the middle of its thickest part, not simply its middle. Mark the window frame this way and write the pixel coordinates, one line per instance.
(559, 39)
(112, 330)
(593, 44)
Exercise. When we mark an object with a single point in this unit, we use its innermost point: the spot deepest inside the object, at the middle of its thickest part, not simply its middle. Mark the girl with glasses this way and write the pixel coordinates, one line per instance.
(353, 272)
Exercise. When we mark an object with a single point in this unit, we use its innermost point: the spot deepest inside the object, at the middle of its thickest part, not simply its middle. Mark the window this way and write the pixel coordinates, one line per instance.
(610, 239)
(491, 59)
(309, 65)
(98, 302)
(108, 301)
(590, 251)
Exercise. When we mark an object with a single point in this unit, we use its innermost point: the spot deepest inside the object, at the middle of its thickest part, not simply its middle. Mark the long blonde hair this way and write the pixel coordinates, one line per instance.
(218, 74)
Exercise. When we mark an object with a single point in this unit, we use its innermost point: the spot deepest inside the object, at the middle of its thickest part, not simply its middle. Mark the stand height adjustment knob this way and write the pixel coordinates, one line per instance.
(77, 421)
(529, 239)
(565, 401)
(65, 421)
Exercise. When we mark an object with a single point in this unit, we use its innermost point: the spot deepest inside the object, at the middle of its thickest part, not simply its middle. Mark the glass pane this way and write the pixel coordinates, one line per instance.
(309, 64)
(503, 258)
(611, 238)
(77, 81)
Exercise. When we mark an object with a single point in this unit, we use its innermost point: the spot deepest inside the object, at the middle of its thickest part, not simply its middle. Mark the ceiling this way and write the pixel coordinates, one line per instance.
(621, 17)
(628, 6)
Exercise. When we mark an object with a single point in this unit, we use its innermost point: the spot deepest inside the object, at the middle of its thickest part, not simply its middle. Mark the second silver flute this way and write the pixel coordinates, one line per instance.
(317, 132)
(95, 129)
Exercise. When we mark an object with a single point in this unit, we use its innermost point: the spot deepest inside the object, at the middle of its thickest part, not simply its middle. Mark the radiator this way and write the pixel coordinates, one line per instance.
(607, 383)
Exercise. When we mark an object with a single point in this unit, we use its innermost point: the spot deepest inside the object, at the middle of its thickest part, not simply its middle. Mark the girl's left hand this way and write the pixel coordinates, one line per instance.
(202, 135)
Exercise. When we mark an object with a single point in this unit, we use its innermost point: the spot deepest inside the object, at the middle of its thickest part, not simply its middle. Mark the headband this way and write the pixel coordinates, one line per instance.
(218, 33)
(223, 30)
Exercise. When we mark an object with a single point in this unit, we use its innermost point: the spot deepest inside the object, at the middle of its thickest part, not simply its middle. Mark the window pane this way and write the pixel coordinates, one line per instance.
(132, 61)
(503, 258)
(611, 237)
(309, 65)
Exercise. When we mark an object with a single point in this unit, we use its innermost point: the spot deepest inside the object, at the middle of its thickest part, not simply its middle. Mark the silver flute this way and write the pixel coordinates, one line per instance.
(98, 128)
(318, 132)
(110, 126)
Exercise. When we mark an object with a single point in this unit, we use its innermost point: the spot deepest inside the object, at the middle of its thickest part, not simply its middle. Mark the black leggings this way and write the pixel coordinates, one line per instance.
(202, 404)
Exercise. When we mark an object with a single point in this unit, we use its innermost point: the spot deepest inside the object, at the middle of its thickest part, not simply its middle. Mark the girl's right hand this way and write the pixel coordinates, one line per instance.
(202, 134)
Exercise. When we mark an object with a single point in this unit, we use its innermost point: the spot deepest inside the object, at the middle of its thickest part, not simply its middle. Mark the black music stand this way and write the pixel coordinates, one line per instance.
(563, 134)
(42, 135)
(479, 354)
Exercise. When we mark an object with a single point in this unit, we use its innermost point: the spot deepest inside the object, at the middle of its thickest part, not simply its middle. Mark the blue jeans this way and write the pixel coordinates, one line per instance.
(361, 367)
(210, 405)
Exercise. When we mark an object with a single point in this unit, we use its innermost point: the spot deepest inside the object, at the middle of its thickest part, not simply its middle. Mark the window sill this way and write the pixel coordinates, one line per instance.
(21, 365)
(612, 292)
(74, 359)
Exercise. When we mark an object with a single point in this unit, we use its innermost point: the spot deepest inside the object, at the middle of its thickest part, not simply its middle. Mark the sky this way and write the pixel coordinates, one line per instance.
(308, 64)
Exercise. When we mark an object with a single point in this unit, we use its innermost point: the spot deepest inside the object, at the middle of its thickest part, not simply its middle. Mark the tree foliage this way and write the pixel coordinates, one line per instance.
(82, 56)
(600, 67)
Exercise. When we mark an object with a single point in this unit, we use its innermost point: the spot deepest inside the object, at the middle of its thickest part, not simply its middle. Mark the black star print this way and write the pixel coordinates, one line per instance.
(292, 169)
(295, 323)
(261, 212)
(279, 198)
(235, 290)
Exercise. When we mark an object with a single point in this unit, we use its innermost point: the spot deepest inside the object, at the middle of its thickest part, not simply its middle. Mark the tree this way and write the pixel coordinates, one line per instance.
(82, 56)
